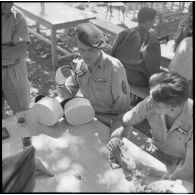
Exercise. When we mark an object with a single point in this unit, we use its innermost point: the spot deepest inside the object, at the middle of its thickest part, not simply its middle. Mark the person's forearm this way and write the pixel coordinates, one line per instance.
(117, 129)
(181, 174)
(64, 92)
(185, 171)
(15, 51)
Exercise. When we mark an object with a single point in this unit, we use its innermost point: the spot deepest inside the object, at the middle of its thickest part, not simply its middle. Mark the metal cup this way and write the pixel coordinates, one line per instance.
(20, 117)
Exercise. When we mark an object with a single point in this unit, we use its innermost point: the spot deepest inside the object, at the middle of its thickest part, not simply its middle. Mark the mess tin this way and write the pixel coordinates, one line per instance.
(48, 111)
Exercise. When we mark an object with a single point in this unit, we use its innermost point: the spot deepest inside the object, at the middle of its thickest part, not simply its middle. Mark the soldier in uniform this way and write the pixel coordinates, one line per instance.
(15, 84)
(169, 113)
(96, 76)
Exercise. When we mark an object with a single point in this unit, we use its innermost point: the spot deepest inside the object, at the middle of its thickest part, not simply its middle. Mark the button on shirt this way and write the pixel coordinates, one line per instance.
(178, 140)
(106, 87)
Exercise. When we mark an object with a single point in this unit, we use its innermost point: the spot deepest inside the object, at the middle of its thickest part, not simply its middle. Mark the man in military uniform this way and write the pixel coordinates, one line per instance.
(96, 76)
(169, 113)
(15, 84)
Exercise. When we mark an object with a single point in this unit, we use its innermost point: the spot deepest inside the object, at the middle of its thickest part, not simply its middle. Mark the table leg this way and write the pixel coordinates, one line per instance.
(53, 47)
(123, 12)
(37, 27)
(110, 13)
(164, 4)
(164, 7)
(107, 10)
(172, 5)
(160, 23)
(182, 5)
(134, 10)
(119, 10)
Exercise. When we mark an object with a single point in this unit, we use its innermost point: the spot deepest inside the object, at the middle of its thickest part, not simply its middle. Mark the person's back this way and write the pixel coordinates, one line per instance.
(139, 50)
(182, 61)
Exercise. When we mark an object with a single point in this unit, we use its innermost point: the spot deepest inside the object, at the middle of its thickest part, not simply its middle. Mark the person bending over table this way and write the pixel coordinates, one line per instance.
(169, 113)
(15, 84)
(138, 49)
(97, 76)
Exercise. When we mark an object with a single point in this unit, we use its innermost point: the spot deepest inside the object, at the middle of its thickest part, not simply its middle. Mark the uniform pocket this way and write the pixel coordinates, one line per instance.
(101, 89)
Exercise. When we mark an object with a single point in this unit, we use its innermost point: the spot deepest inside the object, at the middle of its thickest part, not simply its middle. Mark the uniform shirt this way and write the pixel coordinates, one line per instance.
(14, 30)
(106, 87)
(182, 61)
(178, 141)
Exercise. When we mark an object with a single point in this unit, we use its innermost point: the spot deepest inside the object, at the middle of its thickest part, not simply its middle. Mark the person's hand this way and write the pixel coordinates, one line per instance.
(167, 176)
(114, 143)
(40, 169)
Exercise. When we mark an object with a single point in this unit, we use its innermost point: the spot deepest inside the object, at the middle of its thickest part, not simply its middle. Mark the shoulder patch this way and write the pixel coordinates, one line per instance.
(124, 87)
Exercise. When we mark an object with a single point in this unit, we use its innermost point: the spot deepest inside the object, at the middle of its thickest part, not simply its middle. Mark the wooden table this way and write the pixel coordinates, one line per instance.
(76, 155)
(54, 16)
(67, 150)
(116, 5)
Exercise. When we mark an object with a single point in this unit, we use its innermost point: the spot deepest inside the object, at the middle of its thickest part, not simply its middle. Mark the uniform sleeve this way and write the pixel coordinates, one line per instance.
(138, 113)
(186, 170)
(189, 156)
(21, 29)
(120, 90)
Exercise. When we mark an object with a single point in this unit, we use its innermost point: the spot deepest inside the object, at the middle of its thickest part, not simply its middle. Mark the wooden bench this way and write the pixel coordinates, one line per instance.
(142, 92)
(107, 26)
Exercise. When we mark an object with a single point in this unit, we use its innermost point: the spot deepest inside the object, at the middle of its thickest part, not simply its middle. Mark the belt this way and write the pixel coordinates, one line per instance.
(4, 67)
(7, 65)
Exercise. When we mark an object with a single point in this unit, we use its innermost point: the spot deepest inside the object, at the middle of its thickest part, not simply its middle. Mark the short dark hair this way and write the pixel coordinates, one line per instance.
(146, 14)
(169, 88)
